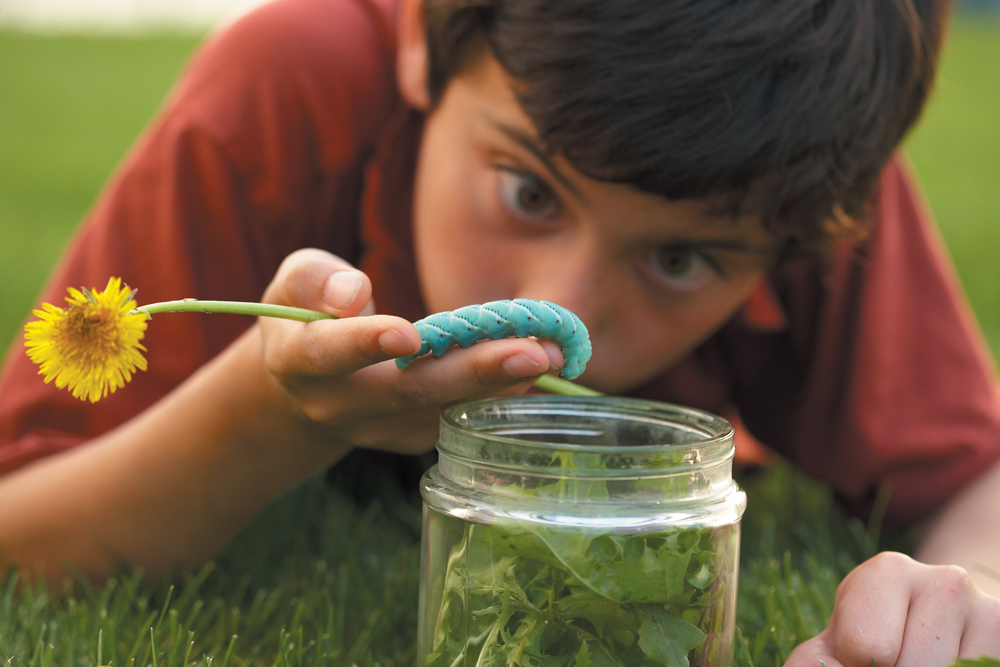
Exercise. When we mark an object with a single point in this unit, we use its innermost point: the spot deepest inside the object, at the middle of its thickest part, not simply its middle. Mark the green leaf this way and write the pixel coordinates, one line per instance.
(493, 654)
(583, 656)
(518, 540)
(667, 639)
(657, 576)
(602, 656)
(601, 612)
(565, 585)
(505, 614)
(702, 578)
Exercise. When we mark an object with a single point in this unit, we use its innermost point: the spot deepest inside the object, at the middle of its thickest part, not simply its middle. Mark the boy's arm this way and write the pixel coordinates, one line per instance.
(259, 151)
(175, 484)
(168, 488)
(967, 533)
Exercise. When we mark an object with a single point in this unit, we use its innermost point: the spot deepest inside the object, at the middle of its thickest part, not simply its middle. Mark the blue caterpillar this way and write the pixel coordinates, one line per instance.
(502, 319)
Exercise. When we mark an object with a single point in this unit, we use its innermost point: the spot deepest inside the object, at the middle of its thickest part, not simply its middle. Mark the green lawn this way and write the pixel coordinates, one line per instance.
(956, 150)
(318, 580)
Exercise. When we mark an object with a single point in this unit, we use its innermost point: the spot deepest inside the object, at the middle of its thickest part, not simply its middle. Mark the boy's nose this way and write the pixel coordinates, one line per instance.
(580, 290)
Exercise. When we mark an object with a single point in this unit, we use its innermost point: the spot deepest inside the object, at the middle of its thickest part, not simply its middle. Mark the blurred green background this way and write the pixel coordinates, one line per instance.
(70, 107)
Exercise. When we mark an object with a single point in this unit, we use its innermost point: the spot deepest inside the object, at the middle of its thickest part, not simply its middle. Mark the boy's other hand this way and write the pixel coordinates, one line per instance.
(896, 611)
(339, 375)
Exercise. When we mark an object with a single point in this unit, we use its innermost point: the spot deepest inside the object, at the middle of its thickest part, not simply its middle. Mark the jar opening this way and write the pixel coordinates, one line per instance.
(604, 436)
(586, 450)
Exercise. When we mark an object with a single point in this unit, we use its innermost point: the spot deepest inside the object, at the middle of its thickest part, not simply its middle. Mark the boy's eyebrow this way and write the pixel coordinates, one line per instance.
(734, 245)
(528, 142)
(767, 253)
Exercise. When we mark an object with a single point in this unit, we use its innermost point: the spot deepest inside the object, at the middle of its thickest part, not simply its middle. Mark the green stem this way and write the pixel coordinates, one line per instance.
(547, 383)
(555, 385)
(233, 308)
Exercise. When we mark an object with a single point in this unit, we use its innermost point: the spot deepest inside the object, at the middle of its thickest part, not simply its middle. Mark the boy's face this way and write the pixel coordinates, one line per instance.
(495, 219)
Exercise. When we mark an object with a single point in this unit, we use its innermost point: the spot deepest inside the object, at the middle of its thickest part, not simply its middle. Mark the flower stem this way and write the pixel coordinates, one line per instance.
(232, 307)
(555, 385)
(547, 383)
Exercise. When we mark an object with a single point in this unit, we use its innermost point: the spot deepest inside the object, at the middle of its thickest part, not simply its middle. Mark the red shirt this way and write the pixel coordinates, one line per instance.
(287, 131)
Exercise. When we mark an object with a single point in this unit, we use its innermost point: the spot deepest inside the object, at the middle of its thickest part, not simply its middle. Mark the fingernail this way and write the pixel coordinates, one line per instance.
(395, 343)
(342, 288)
(519, 366)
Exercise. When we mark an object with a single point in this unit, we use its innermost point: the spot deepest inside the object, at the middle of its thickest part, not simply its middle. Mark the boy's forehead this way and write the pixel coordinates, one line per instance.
(493, 92)
(486, 95)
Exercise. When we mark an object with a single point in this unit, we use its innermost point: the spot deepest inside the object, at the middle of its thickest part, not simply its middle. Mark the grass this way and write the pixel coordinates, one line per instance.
(956, 151)
(318, 579)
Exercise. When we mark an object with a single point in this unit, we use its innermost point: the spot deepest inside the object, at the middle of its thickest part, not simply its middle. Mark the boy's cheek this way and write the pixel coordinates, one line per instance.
(457, 263)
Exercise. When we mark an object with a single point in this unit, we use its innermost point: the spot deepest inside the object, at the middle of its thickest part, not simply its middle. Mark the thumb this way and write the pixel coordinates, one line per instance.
(816, 652)
(317, 280)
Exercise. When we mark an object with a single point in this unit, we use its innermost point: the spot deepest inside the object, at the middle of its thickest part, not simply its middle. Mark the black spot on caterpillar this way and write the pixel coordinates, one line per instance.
(502, 319)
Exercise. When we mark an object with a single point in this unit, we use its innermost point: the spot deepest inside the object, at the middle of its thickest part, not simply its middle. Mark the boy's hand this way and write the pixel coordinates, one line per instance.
(339, 374)
(896, 611)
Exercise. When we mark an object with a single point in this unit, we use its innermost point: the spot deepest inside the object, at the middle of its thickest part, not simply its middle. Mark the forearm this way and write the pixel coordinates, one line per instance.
(172, 486)
(175, 484)
(967, 532)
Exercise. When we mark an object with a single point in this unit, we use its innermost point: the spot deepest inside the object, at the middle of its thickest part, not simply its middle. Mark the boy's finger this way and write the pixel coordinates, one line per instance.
(554, 353)
(334, 348)
(937, 616)
(982, 631)
(816, 652)
(465, 372)
(870, 610)
(318, 280)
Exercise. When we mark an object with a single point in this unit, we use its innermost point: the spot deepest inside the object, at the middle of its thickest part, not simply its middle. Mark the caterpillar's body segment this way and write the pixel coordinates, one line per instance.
(502, 319)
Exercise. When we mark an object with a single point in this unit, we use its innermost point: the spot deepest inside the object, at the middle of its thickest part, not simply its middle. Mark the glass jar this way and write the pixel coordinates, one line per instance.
(579, 532)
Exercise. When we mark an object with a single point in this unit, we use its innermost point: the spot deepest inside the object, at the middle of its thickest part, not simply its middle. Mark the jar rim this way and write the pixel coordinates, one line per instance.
(714, 429)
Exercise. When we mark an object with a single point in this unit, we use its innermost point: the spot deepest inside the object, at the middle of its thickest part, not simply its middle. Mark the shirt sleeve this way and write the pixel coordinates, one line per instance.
(260, 150)
(880, 379)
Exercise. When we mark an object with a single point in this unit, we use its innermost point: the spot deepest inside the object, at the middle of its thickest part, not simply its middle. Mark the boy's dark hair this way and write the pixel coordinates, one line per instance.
(787, 107)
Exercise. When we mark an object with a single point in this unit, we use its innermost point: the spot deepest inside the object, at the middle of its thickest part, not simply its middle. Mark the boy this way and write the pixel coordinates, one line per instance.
(662, 169)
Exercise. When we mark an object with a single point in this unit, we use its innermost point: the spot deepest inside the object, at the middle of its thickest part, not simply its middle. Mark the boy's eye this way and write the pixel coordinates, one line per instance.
(526, 195)
(685, 268)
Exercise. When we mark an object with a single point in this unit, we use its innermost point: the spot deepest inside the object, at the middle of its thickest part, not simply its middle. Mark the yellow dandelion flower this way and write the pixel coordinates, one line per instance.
(92, 346)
